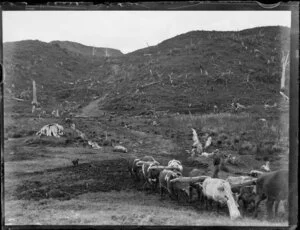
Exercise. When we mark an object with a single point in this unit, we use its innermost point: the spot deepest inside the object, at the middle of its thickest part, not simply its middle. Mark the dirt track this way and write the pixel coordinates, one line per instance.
(92, 109)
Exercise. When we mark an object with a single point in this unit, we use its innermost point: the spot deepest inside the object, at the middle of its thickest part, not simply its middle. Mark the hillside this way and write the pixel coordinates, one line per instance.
(198, 69)
(87, 50)
(190, 72)
(55, 70)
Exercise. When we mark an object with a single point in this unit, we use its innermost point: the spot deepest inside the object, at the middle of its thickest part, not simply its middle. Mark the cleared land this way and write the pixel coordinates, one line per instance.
(43, 187)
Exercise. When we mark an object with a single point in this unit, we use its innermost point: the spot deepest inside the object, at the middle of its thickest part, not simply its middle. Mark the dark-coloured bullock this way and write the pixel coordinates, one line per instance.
(151, 173)
(196, 186)
(135, 166)
(246, 199)
(164, 181)
(274, 187)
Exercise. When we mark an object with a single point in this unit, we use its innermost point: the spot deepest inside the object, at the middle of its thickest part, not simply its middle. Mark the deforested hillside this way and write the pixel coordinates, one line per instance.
(192, 72)
(200, 69)
(55, 70)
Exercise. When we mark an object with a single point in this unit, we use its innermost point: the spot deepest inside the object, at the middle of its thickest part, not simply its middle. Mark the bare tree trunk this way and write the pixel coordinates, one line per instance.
(284, 62)
(34, 96)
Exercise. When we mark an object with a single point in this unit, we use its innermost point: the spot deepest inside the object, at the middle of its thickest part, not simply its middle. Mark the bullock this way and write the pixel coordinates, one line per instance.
(274, 187)
(246, 199)
(150, 176)
(214, 189)
(180, 190)
(196, 186)
(220, 190)
(243, 188)
(135, 166)
(165, 177)
(176, 165)
(196, 173)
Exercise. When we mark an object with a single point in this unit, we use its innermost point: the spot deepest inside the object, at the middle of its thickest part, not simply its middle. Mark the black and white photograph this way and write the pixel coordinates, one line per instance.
(146, 117)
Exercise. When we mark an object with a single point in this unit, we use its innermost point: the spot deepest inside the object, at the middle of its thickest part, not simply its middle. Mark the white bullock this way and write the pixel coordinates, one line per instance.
(175, 164)
(219, 190)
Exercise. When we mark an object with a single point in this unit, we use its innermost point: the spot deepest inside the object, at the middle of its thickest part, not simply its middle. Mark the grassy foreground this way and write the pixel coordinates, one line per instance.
(117, 208)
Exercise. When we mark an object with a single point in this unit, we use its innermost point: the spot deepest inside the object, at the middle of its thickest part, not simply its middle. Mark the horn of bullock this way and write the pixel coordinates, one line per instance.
(159, 167)
(140, 163)
(189, 179)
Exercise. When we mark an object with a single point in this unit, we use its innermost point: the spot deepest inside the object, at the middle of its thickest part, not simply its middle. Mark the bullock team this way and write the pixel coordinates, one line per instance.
(241, 194)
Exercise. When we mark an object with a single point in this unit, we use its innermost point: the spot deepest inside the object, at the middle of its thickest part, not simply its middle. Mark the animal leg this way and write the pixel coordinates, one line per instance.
(161, 192)
(242, 207)
(202, 199)
(191, 194)
(206, 203)
(210, 204)
(130, 171)
(199, 194)
(277, 202)
(258, 199)
(144, 185)
(269, 204)
(155, 185)
(134, 175)
(218, 207)
(174, 194)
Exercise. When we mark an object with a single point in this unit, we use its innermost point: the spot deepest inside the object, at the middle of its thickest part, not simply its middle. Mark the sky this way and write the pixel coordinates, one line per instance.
(129, 30)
